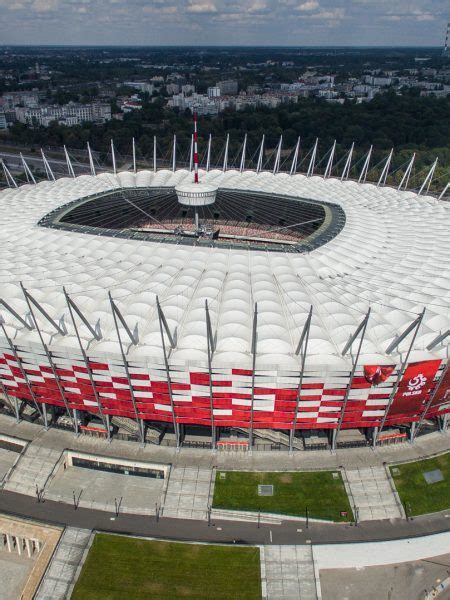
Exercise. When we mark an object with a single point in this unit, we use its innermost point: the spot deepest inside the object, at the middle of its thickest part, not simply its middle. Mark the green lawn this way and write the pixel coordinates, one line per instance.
(324, 496)
(419, 496)
(119, 568)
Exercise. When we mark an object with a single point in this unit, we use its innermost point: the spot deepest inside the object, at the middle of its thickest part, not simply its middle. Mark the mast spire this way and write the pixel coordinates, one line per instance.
(195, 149)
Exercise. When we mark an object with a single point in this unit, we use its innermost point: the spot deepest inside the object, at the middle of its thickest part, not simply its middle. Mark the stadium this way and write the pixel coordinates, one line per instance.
(280, 310)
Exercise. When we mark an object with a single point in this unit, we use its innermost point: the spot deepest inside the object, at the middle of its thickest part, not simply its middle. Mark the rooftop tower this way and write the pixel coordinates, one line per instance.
(196, 194)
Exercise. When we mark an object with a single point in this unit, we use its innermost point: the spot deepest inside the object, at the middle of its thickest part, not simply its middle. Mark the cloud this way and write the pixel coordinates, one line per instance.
(308, 6)
(259, 22)
(201, 8)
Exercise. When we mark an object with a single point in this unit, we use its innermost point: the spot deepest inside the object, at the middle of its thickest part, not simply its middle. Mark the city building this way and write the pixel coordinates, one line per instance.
(68, 114)
(228, 87)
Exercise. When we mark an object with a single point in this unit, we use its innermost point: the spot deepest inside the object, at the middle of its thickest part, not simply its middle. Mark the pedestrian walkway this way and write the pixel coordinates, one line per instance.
(188, 493)
(33, 469)
(289, 573)
(372, 494)
(60, 576)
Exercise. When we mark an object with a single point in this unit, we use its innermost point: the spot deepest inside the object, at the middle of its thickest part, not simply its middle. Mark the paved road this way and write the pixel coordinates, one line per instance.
(220, 531)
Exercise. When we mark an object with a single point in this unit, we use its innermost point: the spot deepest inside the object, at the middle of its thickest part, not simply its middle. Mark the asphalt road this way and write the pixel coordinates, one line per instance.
(289, 532)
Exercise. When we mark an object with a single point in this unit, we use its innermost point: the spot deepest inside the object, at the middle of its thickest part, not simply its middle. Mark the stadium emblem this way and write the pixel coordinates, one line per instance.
(416, 383)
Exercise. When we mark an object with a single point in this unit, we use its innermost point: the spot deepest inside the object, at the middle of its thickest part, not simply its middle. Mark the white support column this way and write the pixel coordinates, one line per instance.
(29, 175)
(276, 165)
(91, 160)
(302, 348)
(47, 167)
(9, 178)
(174, 153)
(134, 156)
(385, 171)
(244, 147)
(407, 174)
(261, 155)
(348, 164)
(9, 542)
(365, 169)
(208, 155)
(329, 166)
(191, 154)
(312, 162)
(295, 159)
(154, 154)
(225, 156)
(113, 156)
(28, 547)
(361, 329)
(69, 163)
(415, 325)
(253, 350)
(427, 182)
(444, 191)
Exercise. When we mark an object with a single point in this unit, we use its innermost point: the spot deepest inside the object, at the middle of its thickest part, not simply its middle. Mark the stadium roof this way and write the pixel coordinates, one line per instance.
(393, 255)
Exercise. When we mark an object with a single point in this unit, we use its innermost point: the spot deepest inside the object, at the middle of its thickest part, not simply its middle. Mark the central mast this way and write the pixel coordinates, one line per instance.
(196, 194)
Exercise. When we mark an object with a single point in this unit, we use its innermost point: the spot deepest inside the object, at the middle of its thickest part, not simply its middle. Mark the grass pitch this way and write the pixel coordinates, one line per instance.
(120, 567)
(417, 495)
(293, 492)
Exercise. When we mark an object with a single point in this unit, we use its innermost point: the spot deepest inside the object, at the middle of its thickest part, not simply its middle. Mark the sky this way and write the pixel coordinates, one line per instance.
(225, 22)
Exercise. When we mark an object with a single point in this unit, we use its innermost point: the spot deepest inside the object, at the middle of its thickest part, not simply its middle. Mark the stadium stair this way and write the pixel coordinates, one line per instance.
(32, 470)
(276, 437)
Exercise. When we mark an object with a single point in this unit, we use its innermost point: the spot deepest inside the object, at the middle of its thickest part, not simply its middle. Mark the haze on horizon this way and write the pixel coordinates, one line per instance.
(225, 22)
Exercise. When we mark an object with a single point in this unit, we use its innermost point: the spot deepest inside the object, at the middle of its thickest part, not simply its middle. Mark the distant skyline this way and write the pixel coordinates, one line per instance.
(225, 22)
